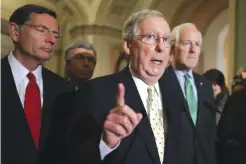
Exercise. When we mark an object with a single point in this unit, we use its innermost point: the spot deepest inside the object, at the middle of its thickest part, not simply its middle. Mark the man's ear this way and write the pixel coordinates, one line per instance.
(126, 47)
(13, 31)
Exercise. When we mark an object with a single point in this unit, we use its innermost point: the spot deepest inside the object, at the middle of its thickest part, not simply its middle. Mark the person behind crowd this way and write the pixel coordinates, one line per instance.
(220, 90)
(189, 95)
(30, 91)
(80, 62)
(239, 80)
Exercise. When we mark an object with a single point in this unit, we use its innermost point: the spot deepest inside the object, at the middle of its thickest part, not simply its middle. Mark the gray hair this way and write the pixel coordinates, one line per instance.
(176, 31)
(79, 44)
(130, 28)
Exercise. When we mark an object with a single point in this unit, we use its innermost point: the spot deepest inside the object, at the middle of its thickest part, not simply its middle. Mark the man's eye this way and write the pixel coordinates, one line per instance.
(187, 43)
(198, 44)
(167, 39)
(150, 36)
(40, 28)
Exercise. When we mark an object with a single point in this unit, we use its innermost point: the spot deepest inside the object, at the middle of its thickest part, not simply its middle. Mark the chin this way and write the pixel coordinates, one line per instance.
(45, 57)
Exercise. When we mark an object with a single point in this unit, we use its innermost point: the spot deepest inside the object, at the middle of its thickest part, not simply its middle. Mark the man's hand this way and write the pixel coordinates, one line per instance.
(121, 120)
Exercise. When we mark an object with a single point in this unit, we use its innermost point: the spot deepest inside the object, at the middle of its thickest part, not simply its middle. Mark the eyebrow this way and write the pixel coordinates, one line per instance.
(53, 30)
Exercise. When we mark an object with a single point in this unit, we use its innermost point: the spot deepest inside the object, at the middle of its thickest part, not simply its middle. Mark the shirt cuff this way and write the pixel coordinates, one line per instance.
(105, 150)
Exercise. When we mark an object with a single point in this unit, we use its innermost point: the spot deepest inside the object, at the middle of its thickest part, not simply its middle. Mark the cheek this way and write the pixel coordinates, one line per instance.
(144, 57)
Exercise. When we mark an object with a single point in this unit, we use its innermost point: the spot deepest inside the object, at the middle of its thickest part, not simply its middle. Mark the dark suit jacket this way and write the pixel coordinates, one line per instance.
(196, 143)
(231, 130)
(97, 97)
(17, 143)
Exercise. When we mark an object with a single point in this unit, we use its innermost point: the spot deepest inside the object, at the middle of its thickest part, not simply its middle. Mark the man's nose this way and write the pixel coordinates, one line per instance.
(160, 46)
(85, 61)
(51, 38)
(192, 48)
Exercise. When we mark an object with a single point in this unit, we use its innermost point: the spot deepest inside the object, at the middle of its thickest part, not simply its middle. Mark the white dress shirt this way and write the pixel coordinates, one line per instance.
(180, 75)
(20, 77)
(142, 90)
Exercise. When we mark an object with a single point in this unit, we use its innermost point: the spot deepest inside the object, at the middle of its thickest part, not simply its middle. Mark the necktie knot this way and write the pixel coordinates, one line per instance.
(151, 93)
(151, 90)
(31, 76)
(187, 76)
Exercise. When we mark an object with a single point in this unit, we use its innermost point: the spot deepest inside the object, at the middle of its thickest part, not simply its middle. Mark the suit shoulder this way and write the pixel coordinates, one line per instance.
(203, 79)
(104, 79)
(57, 79)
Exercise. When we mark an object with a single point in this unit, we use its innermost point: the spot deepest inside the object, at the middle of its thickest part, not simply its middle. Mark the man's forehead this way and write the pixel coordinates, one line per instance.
(84, 51)
(190, 32)
(39, 19)
(154, 24)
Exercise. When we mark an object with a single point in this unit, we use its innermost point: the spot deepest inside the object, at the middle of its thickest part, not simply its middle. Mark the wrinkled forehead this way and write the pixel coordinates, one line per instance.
(153, 24)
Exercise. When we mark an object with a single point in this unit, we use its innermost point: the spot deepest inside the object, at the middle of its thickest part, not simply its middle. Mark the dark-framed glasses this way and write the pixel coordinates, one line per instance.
(81, 56)
(44, 30)
(153, 39)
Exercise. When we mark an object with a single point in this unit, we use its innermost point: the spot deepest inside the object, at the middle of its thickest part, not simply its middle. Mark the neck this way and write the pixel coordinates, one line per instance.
(28, 62)
(150, 81)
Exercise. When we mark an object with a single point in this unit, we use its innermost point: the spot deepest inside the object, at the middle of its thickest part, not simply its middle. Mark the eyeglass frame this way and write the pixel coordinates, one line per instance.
(45, 31)
(157, 39)
(82, 56)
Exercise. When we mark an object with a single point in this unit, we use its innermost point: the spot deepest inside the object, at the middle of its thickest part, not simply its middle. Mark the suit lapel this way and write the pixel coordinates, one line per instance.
(199, 87)
(47, 106)
(133, 99)
(14, 108)
(173, 105)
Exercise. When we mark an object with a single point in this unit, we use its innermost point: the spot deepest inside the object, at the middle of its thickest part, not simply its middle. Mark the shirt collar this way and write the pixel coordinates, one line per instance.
(20, 72)
(141, 84)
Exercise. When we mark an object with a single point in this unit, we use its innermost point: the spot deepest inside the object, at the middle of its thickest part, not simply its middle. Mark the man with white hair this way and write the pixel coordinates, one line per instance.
(123, 115)
(192, 95)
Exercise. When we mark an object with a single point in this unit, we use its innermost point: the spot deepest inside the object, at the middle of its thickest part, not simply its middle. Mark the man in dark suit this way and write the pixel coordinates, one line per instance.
(121, 115)
(192, 95)
(231, 130)
(30, 91)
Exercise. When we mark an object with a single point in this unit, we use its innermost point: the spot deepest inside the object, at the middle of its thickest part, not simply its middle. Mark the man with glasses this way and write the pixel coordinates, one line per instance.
(191, 95)
(80, 62)
(122, 116)
(32, 130)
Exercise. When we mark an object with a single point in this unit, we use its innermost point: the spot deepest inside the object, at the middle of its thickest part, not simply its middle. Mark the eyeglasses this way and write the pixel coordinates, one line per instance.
(44, 30)
(81, 56)
(153, 39)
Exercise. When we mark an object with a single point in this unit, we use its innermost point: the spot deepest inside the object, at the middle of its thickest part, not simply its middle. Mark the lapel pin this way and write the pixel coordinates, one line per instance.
(201, 83)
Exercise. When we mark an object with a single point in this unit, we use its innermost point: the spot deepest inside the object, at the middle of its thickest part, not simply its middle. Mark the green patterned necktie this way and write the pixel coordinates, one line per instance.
(190, 97)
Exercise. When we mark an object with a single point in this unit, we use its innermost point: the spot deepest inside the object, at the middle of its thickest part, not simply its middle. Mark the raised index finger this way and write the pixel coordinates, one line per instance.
(120, 97)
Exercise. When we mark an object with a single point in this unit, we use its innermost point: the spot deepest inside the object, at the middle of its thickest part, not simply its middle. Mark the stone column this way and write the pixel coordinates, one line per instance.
(237, 37)
(240, 34)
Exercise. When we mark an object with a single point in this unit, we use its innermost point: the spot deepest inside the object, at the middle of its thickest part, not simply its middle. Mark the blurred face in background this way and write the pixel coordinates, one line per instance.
(216, 89)
(81, 65)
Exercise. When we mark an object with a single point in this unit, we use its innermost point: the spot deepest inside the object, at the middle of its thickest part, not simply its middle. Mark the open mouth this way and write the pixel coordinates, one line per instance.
(156, 61)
